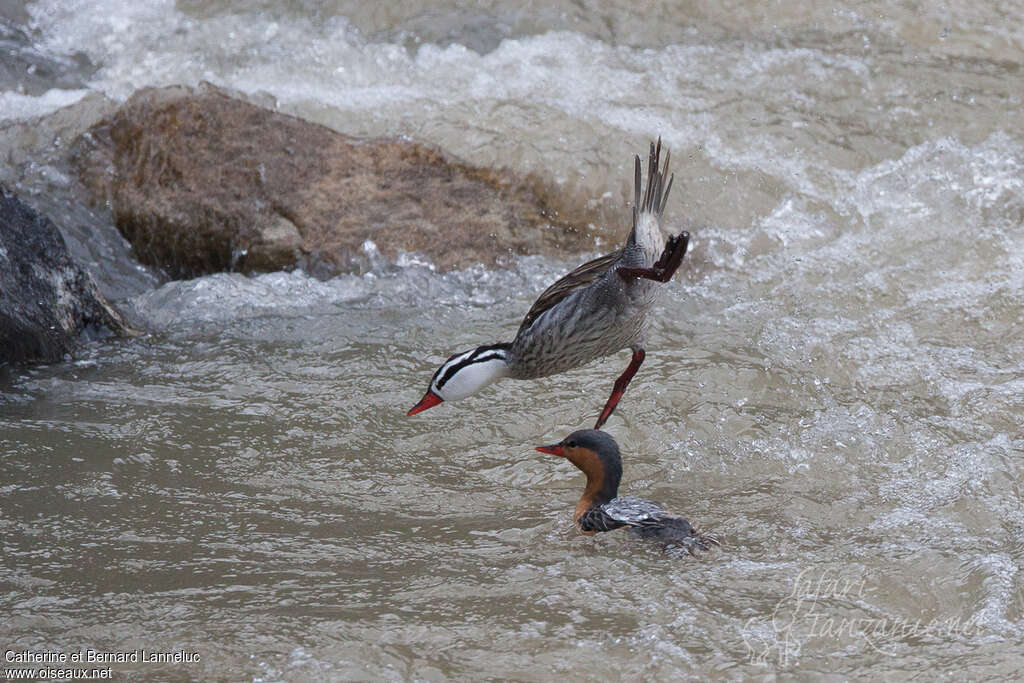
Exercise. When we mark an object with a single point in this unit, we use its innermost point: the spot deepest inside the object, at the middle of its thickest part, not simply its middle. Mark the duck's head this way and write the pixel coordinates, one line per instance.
(464, 374)
(596, 454)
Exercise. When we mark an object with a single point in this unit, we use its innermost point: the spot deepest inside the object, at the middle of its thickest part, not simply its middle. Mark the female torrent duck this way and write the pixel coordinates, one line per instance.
(600, 508)
(592, 312)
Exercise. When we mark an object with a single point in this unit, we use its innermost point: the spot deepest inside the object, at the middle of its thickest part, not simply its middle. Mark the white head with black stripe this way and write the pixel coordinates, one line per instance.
(464, 374)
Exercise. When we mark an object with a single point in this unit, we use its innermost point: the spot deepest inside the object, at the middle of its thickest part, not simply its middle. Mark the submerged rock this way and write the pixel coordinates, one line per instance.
(201, 182)
(46, 299)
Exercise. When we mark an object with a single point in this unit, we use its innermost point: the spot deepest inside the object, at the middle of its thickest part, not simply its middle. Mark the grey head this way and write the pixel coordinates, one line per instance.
(596, 454)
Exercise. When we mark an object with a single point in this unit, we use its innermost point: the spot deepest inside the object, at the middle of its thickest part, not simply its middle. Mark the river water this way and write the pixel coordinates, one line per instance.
(833, 384)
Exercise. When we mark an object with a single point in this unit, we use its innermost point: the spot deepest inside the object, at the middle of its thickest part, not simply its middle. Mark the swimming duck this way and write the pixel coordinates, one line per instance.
(594, 311)
(596, 454)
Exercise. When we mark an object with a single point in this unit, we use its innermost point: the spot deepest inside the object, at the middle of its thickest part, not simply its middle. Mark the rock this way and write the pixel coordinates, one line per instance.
(201, 182)
(46, 300)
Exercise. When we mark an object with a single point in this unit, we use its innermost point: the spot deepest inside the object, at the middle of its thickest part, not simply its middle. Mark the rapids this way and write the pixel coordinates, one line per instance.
(833, 382)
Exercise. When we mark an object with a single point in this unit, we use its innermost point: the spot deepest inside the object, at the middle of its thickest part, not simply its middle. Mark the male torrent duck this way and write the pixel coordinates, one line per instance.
(600, 508)
(592, 312)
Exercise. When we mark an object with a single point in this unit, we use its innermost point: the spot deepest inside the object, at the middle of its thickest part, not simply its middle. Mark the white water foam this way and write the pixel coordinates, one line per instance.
(15, 106)
(556, 81)
(226, 297)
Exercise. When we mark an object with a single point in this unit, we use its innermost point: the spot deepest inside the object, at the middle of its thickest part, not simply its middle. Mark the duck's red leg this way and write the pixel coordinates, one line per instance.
(666, 265)
(620, 387)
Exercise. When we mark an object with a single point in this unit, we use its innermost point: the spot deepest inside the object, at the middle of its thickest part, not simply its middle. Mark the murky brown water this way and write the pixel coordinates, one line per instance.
(832, 387)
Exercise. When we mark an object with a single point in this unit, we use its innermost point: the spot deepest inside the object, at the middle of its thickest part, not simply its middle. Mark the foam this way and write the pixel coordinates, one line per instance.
(16, 106)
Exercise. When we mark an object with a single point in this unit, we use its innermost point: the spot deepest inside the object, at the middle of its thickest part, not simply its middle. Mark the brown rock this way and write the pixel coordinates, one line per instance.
(200, 182)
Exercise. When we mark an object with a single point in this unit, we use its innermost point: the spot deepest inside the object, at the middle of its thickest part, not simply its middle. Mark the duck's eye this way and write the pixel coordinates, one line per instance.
(570, 444)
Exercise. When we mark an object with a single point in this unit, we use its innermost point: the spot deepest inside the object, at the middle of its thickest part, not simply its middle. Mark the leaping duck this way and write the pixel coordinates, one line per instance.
(596, 454)
(594, 311)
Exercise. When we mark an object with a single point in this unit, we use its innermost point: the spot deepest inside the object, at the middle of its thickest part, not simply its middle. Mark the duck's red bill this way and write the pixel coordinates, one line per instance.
(553, 449)
(429, 400)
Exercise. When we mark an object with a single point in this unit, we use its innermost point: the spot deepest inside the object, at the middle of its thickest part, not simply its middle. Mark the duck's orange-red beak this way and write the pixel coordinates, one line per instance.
(429, 400)
(553, 449)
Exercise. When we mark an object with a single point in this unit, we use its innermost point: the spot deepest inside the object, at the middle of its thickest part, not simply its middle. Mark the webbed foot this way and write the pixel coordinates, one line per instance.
(666, 265)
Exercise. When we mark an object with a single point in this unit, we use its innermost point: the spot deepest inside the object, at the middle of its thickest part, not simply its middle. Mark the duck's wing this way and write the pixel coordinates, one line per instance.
(648, 519)
(631, 511)
(596, 519)
(577, 279)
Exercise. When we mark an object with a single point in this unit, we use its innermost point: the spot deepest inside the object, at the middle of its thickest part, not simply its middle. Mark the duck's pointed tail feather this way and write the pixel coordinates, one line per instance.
(655, 195)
